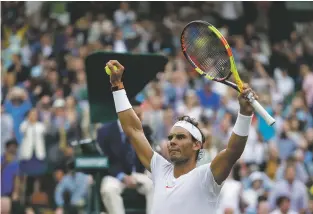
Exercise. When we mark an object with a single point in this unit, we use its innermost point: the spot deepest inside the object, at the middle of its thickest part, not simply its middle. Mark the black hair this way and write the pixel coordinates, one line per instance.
(196, 124)
(11, 142)
(281, 199)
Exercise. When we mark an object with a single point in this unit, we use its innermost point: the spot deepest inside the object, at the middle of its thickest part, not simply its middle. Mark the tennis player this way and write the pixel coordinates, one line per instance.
(180, 186)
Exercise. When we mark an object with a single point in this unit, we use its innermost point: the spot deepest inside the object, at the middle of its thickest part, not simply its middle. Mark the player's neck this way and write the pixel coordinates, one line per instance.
(183, 168)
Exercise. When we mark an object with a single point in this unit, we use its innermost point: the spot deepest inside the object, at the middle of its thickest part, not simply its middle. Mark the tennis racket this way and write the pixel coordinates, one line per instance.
(210, 54)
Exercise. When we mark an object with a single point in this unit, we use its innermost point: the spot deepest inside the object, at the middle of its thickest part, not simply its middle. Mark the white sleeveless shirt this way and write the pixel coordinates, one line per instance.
(193, 193)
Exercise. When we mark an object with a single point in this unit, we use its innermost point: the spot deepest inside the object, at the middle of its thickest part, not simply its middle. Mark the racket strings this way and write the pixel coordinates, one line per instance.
(207, 51)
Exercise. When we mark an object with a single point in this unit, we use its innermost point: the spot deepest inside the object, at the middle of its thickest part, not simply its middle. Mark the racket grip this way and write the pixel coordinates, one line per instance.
(264, 114)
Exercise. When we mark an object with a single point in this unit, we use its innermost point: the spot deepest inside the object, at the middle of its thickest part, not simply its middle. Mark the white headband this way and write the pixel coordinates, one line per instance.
(193, 130)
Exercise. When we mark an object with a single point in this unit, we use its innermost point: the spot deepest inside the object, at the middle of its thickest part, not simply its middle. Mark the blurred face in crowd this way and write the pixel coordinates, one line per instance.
(53, 77)
(33, 116)
(250, 29)
(285, 205)
(11, 149)
(290, 174)
(263, 207)
(70, 102)
(181, 146)
(59, 112)
(124, 6)
(191, 99)
(228, 211)
(257, 184)
(16, 59)
(294, 124)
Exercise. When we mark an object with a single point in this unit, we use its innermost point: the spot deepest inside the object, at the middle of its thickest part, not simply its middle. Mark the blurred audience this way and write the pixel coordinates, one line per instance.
(45, 106)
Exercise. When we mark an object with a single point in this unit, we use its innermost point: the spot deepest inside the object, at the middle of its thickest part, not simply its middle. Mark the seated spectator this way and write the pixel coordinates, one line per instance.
(283, 206)
(76, 186)
(294, 189)
(9, 176)
(125, 169)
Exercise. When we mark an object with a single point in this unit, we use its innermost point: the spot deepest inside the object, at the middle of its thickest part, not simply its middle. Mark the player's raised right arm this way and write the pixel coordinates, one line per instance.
(130, 122)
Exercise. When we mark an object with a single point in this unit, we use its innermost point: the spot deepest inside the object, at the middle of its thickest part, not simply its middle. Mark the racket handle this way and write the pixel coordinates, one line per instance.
(264, 114)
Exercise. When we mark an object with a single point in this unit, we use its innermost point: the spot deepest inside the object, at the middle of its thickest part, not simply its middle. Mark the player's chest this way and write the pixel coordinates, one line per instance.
(171, 187)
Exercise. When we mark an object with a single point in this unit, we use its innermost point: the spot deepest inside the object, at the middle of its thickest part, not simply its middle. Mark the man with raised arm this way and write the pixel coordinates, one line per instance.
(179, 186)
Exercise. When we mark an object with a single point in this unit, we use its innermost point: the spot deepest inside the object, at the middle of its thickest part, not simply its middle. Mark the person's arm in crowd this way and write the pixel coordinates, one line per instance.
(280, 172)
(23, 126)
(59, 191)
(223, 163)
(130, 122)
(79, 195)
(272, 198)
(304, 201)
(302, 173)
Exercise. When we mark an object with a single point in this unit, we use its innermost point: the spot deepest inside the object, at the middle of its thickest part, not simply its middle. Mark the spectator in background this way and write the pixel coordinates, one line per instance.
(74, 185)
(208, 98)
(119, 44)
(283, 206)
(301, 173)
(259, 186)
(9, 176)
(17, 104)
(190, 106)
(307, 85)
(21, 71)
(230, 196)
(62, 130)
(6, 128)
(209, 149)
(33, 148)
(285, 145)
(293, 189)
(124, 15)
(33, 163)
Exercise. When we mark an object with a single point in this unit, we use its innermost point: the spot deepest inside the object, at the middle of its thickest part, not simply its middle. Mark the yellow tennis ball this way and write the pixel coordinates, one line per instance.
(108, 71)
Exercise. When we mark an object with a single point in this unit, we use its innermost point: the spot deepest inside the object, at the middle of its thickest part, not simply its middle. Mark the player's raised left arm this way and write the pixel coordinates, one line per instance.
(222, 164)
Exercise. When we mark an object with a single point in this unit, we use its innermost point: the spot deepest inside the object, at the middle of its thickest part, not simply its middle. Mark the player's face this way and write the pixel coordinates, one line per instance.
(181, 147)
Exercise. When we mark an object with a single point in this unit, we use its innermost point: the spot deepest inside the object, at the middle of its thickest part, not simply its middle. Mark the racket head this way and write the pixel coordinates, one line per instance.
(208, 52)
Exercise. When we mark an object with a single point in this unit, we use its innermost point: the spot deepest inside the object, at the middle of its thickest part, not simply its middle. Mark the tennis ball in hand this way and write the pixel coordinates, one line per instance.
(108, 71)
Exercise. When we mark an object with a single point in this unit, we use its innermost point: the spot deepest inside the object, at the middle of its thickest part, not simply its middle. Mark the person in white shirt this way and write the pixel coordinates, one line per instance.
(180, 186)
(283, 204)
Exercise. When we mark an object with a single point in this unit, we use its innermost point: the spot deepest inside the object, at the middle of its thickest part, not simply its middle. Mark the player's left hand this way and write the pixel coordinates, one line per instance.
(245, 106)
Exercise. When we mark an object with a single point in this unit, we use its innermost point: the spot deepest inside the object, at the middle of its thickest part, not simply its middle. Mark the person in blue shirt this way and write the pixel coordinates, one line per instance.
(17, 105)
(9, 176)
(76, 185)
(208, 98)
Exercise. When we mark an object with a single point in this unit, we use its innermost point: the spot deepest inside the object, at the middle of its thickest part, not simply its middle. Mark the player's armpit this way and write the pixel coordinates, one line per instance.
(133, 129)
(223, 163)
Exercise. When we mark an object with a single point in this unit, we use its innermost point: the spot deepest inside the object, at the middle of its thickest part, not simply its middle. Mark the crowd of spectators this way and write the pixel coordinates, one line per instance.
(44, 102)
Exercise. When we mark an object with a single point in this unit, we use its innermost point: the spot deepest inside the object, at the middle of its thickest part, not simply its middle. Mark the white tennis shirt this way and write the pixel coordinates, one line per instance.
(193, 193)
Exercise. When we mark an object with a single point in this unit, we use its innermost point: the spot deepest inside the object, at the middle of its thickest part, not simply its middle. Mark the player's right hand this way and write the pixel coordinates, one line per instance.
(116, 74)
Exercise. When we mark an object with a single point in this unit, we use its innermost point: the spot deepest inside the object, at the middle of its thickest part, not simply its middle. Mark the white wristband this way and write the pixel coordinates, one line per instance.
(242, 125)
(121, 101)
